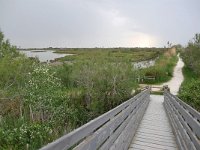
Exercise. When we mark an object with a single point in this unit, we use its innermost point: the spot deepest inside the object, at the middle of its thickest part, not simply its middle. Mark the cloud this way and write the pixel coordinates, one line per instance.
(101, 23)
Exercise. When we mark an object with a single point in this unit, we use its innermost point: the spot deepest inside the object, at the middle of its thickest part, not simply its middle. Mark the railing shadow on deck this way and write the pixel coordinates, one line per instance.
(112, 130)
(185, 122)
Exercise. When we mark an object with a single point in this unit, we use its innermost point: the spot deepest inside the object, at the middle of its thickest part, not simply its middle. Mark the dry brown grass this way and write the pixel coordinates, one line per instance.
(170, 52)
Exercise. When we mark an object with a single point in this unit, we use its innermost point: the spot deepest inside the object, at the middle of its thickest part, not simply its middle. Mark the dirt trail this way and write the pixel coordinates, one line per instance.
(175, 83)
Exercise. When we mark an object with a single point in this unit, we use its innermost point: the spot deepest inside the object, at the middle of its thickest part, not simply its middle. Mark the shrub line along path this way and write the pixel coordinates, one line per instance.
(175, 83)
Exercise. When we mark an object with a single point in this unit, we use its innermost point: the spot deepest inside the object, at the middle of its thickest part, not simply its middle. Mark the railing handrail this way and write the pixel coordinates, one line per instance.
(185, 121)
(74, 137)
(194, 113)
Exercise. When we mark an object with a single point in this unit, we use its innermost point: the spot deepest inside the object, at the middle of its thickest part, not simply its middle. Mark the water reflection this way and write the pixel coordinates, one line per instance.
(144, 64)
(43, 55)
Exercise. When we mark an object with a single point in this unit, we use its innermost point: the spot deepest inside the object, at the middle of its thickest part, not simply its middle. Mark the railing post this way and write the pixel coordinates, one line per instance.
(166, 88)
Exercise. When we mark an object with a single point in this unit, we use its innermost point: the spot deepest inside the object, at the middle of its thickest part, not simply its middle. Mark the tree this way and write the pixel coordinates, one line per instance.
(6, 48)
(192, 54)
(169, 45)
(197, 39)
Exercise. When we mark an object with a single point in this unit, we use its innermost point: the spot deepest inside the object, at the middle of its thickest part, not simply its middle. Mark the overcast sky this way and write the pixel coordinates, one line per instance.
(99, 23)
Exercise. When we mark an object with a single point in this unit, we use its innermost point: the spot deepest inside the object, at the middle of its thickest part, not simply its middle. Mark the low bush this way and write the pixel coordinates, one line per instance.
(190, 88)
(39, 103)
(162, 70)
(190, 93)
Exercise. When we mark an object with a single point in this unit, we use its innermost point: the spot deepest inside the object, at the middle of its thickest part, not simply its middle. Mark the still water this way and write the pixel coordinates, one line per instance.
(46, 56)
(144, 64)
(42, 55)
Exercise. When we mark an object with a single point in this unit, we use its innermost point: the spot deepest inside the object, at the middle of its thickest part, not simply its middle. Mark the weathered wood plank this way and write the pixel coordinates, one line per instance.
(156, 138)
(189, 108)
(193, 123)
(154, 145)
(184, 120)
(154, 131)
(142, 147)
(110, 126)
(109, 142)
(183, 137)
(95, 140)
(156, 141)
(123, 141)
(179, 140)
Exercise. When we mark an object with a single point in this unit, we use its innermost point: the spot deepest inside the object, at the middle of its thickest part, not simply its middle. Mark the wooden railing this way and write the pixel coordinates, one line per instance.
(112, 130)
(185, 122)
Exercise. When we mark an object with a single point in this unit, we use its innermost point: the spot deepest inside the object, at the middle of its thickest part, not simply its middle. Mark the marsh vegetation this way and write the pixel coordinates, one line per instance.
(40, 102)
(190, 89)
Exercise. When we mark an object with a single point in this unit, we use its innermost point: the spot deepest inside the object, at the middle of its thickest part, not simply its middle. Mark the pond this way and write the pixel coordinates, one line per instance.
(43, 55)
(144, 64)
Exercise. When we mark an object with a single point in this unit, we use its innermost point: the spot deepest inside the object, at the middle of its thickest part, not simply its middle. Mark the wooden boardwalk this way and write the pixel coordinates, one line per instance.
(154, 131)
(140, 123)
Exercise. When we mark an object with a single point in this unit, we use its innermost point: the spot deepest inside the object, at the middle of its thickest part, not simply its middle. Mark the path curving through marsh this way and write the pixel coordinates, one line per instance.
(175, 82)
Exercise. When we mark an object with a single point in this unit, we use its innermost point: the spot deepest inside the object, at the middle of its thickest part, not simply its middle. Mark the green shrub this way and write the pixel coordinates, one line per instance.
(24, 136)
(162, 70)
(105, 85)
(190, 93)
(6, 48)
(192, 53)
(40, 103)
(190, 88)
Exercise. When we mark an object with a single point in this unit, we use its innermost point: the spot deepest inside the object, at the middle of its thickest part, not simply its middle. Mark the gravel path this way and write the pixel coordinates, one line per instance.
(175, 83)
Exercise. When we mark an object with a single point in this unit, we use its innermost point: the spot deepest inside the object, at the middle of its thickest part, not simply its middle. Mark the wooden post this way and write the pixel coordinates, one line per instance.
(166, 88)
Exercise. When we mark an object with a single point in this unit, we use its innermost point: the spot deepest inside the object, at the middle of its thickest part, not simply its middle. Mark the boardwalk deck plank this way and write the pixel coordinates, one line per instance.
(154, 131)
